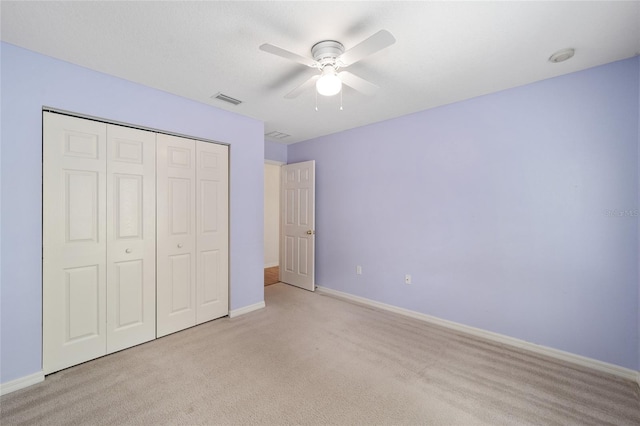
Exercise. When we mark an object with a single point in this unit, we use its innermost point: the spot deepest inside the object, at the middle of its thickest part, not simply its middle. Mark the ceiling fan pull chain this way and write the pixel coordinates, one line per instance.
(340, 100)
(316, 100)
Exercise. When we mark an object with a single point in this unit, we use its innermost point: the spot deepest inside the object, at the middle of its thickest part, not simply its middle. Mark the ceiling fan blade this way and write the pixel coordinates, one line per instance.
(373, 44)
(304, 86)
(357, 83)
(270, 48)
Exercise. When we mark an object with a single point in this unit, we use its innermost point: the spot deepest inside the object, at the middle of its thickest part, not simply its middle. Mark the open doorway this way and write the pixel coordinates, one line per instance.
(271, 223)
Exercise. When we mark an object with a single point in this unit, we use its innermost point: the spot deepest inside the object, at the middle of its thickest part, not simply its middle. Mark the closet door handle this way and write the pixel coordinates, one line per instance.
(180, 245)
(127, 251)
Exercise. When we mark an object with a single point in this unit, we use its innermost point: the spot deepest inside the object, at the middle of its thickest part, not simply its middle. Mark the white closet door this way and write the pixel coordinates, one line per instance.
(212, 294)
(74, 234)
(131, 237)
(176, 228)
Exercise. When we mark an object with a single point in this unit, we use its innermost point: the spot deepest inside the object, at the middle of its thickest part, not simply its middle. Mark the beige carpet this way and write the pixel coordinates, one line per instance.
(312, 359)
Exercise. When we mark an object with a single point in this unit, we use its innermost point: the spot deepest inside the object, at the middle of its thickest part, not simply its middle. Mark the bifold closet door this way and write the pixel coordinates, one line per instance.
(176, 229)
(135, 237)
(131, 237)
(74, 235)
(98, 239)
(192, 232)
(212, 231)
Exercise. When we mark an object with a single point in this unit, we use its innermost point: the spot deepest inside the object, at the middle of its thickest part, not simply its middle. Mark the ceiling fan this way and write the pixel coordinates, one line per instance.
(328, 57)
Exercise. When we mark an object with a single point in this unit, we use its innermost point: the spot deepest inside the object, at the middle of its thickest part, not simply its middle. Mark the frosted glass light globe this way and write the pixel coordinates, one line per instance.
(329, 84)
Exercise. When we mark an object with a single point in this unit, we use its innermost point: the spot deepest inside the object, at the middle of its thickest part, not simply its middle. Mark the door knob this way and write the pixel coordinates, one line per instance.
(179, 245)
(310, 232)
(127, 251)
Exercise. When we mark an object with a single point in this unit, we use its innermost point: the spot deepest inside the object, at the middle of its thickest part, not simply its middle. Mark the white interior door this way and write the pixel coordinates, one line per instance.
(212, 235)
(74, 241)
(176, 228)
(297, 215)
(131, 237)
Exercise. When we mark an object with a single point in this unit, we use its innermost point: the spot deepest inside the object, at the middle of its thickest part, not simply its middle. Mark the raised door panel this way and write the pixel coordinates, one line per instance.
(131, 237)
(212, 242)
(127, 284)
(176, 234)
(74, 241)
(81, 194)
(181, 282)
(82, 309)
(179, 193)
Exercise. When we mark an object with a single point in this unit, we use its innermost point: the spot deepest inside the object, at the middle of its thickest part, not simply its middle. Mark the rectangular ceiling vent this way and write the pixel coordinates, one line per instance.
(277, 135)
(221, 96)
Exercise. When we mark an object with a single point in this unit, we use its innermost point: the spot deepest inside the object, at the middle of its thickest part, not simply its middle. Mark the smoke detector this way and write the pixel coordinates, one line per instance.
(562, 55)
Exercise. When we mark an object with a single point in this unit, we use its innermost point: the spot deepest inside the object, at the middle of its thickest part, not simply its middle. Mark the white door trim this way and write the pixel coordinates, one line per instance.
(133, 126)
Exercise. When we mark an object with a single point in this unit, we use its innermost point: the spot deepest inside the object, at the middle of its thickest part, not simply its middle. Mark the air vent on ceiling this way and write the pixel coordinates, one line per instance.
(277, 135)
(221, 96)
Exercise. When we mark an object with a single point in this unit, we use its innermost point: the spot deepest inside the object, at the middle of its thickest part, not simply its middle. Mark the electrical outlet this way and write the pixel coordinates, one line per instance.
(407, 279)
(358, 270)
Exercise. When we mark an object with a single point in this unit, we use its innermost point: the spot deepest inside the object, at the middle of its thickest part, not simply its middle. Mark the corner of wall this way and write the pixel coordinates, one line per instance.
(274, 151)
(638, 206)
(246, 309)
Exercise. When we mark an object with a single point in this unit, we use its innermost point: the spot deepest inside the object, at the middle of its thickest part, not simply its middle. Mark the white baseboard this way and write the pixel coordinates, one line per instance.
(246, 309)
(594, 364)
(21, 383)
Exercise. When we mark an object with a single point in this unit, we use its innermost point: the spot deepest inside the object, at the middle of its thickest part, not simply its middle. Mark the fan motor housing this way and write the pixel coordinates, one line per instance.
(327, 51)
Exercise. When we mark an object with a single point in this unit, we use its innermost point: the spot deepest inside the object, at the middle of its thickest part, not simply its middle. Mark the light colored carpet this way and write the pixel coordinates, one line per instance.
(313, 359)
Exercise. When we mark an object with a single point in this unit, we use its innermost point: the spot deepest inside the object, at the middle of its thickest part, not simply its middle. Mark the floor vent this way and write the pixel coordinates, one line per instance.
(277, 135)
(221, 96)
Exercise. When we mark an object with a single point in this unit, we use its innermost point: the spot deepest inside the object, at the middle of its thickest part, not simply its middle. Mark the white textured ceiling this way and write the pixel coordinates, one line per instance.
(445, 51)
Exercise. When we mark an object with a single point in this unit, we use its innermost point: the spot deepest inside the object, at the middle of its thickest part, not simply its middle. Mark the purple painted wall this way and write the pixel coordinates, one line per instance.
(31, 81)
(275, 151)
(503, 208)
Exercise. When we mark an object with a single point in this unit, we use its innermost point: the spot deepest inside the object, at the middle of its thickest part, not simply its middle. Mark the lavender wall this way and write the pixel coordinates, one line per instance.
(29, 81)
(275, 151)
(503, 209)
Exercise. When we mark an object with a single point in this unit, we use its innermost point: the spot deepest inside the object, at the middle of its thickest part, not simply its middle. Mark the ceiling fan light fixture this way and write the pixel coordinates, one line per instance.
(329, 84)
